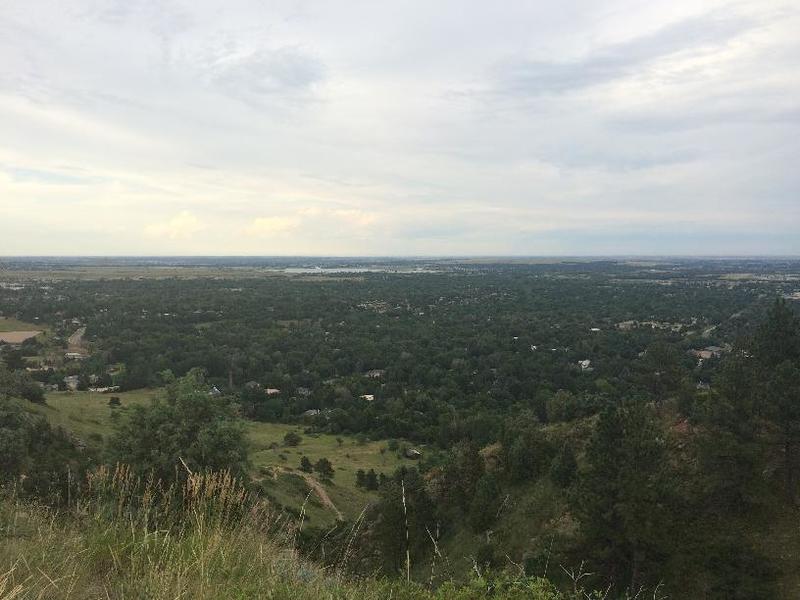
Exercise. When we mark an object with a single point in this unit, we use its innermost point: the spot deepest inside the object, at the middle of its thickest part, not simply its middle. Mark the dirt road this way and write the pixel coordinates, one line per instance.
(315, 486)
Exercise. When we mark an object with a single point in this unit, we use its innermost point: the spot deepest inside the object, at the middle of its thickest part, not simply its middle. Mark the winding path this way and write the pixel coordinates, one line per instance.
(315, 486)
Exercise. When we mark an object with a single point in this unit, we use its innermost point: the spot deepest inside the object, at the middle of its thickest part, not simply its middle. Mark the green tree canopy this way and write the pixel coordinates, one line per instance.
(190, 428)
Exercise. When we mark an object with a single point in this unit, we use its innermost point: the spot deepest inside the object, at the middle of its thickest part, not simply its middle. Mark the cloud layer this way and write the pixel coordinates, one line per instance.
(310, 127)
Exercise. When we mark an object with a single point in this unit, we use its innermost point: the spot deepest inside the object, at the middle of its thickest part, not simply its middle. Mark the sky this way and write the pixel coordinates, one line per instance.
(430, 127)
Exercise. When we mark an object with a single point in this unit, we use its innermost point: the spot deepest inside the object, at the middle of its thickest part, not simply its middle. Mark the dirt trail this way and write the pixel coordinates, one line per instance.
(315, 486)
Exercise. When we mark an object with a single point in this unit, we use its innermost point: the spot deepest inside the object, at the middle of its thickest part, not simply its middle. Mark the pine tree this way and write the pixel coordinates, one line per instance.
(564, 467)
(485, 502)
(777, 351)
(371, 480)
(622, 498)
(361, 478)
(325, 469)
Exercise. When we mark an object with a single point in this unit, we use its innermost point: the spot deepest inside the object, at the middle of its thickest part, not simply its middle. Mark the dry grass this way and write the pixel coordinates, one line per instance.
(124, 537)
(206, 538)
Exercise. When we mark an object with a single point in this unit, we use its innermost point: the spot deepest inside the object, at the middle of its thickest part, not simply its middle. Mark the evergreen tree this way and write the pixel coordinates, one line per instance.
(777, 351)
(305, 465)
(463, 470)
(485, 503)
(324, 467)
(361, 478)
(564, 467)
(623, 497)
(371, 480)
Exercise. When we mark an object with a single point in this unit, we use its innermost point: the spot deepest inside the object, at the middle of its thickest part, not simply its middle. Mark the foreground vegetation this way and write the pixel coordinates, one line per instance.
(204, 539)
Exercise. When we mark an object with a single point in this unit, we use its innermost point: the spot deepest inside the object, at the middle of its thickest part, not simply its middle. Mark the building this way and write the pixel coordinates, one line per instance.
(376, 373)
(105, 390)
(272, 391)
(72, 382)
(367, 397)
(585, 365)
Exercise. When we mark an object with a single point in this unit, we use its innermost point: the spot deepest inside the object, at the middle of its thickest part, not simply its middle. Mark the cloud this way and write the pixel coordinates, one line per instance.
(267, 75)
(180, 227)
(266, 226)
(621, 60)
(355, 217)
(192, 128)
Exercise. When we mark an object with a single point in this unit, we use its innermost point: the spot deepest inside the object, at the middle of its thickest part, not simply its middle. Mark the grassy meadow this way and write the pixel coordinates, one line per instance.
(11, 324)
(274, 465)
(277, 468)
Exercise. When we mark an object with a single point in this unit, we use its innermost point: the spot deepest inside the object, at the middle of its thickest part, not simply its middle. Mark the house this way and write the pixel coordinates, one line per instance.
(313, 412)
(585, 365)
(104, 390)
(272, 391)
(367, 397)
(708, 352)
(72, 382)
(74, 355)
(376, 373)
(215, 392)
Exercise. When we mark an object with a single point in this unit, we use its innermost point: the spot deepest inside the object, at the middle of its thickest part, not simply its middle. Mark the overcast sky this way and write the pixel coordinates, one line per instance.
(399, 128)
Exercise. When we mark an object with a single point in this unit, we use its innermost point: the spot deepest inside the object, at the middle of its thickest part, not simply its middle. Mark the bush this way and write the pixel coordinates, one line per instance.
(292, 438)
(485, 557)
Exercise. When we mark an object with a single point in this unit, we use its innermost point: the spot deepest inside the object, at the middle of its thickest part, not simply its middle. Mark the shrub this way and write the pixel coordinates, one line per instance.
(292, 438)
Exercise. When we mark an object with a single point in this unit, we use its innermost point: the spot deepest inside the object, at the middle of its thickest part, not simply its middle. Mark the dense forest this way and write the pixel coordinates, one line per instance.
(630, 426)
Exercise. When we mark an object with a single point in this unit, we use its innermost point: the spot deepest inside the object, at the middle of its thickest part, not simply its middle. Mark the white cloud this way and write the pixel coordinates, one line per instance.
(180, 227)
(266, 226)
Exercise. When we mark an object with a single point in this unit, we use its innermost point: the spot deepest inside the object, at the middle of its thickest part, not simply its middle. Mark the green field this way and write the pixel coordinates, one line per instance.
(9, 324)
(347, 457)
(88, 415)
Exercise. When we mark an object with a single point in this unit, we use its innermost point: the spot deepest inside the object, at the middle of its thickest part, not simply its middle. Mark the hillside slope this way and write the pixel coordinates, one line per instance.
(116, 544)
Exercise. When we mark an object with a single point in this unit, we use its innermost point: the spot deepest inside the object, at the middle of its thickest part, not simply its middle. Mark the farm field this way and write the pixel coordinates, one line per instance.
(274, 465)
(13, 331)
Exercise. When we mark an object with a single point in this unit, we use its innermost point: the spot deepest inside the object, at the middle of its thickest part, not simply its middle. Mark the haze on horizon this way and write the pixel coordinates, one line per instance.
(171, 127)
